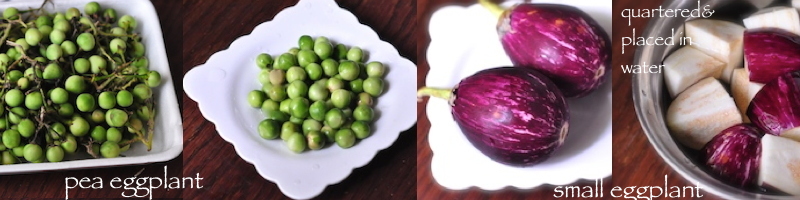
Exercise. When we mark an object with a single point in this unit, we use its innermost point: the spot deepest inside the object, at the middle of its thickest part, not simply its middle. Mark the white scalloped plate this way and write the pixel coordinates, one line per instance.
(220, 87)
(456, 164)
(168, 138)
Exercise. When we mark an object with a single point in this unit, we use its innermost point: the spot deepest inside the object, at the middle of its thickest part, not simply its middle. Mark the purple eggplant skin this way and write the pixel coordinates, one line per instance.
(770, 53)
(734, 155)
(560, 41)
(776, 107)
(515, 116)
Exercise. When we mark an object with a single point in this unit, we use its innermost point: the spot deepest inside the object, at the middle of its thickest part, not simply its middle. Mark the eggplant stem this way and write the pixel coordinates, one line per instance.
(443, 93)
(495, 9)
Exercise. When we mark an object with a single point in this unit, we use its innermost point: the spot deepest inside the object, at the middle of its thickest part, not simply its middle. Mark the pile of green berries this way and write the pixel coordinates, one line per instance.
(317, 93)
(72, 82)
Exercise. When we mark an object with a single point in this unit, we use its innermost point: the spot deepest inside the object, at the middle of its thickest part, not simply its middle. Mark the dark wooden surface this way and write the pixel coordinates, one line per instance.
(202, 28)
(52, 184)
(210, 26)
(427, 188)
(636, 162)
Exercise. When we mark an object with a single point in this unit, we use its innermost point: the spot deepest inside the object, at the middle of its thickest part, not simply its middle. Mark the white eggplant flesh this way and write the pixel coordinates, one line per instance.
(780, 164)
(720, 39)
(743, 90)
(793, 134)
(701, 112)
(687, 66)
(781, 17)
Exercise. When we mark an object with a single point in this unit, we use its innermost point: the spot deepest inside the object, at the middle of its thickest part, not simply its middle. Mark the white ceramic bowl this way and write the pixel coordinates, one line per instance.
(220, 87)
(464, 41)
(168, 139)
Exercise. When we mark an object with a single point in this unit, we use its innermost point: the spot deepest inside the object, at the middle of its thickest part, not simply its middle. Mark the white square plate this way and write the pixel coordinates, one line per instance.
(463, 41)
(168, 138)
(220, 87)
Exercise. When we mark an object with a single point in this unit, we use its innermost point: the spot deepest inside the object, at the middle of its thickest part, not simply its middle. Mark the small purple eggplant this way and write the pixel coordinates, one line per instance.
(770, 53)
(560, 41)
(515, 116)
(776, 107)
(734, 154)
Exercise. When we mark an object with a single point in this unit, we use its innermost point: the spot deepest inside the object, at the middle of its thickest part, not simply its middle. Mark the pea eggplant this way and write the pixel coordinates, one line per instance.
(562, 42)
(515, 116)
(318, 96)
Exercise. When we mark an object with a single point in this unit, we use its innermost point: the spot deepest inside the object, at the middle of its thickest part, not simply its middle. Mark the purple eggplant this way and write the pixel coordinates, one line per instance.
(770, 53)
(734, 155)
(560, 41)
(515, 116)
(776, 107)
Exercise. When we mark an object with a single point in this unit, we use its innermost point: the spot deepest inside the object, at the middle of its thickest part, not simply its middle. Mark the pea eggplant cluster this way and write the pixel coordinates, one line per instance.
(317, 93)
(73, 81)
